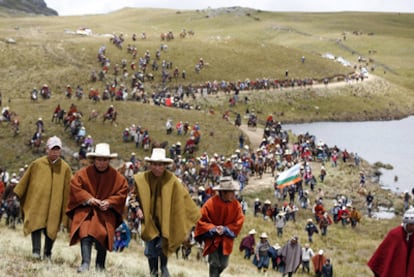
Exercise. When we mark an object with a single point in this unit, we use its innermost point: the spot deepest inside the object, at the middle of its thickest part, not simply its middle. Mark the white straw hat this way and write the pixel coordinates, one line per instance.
(158, 156)
(263, 236)
(102, 150)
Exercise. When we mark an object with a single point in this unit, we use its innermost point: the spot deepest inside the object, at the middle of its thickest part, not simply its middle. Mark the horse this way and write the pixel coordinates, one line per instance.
(270, 163)
(252, 122)
(35, 142)
(8, 119)
(111, 117)
(183, 34)
(59, 116)
(259, 168)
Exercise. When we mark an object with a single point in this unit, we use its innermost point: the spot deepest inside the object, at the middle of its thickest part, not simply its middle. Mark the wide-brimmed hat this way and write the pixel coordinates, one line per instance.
(158, 156)
(102, 150)
(227, 183)
(320, 252)
(281, 213)
(276, 246)
(263, 235)
(252, 232)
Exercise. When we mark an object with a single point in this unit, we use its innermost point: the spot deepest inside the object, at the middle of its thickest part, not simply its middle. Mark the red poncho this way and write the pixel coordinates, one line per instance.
(394, 256)
(216, 212)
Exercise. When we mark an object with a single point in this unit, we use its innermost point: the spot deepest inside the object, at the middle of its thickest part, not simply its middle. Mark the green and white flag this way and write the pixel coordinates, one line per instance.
(289, 177)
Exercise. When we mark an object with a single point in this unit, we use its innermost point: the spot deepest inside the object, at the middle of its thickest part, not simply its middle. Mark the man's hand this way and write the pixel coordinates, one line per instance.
(220, 230)
(94, 202)
(104, 205)
(140, 214)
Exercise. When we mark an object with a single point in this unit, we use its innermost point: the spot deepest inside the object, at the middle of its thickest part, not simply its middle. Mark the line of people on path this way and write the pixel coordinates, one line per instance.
(286, 259)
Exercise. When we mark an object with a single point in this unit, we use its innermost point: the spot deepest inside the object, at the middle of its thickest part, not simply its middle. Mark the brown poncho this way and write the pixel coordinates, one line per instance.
(88, 183)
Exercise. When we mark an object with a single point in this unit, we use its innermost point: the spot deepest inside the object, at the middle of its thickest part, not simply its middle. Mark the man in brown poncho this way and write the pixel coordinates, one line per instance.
(43, 193)
(97, 199)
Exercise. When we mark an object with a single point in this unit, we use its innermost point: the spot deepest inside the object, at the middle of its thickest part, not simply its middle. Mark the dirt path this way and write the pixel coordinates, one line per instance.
(256, 183)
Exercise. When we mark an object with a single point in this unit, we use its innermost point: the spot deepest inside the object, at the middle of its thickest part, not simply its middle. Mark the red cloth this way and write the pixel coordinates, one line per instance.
(318, 261)
(216, 212)
(1, 189)
(87, 220)
(248, 242)
(394, 256)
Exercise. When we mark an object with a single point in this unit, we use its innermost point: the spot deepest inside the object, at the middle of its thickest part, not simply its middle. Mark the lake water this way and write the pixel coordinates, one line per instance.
(388, 142)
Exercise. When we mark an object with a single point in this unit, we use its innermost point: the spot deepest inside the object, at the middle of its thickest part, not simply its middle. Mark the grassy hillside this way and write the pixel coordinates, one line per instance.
(236, 43)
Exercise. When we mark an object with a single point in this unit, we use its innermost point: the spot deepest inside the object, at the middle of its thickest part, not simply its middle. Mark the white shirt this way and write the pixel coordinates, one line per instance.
(307, 254)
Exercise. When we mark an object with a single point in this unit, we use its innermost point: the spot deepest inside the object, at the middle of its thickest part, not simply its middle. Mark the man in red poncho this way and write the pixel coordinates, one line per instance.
(395, 255)
(96, 203)
(221, 221)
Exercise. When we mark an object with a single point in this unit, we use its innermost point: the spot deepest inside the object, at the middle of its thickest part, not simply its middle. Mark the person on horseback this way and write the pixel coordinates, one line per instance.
(56, 112)
(109, 113)
(37, 136)
(40, 125)
(6, 113)
(45, 91)
(72, 109)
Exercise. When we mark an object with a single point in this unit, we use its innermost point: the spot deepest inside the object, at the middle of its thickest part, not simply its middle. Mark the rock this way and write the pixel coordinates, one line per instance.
(10, 41)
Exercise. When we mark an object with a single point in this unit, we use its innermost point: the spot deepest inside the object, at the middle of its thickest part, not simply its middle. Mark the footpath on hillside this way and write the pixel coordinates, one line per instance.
(255, 183)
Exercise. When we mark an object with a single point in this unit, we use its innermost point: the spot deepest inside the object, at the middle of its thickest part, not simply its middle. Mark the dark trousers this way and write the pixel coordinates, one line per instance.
(86, 251)
(37, 243)
(305, 266)
(218, 262)
(153, 251)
